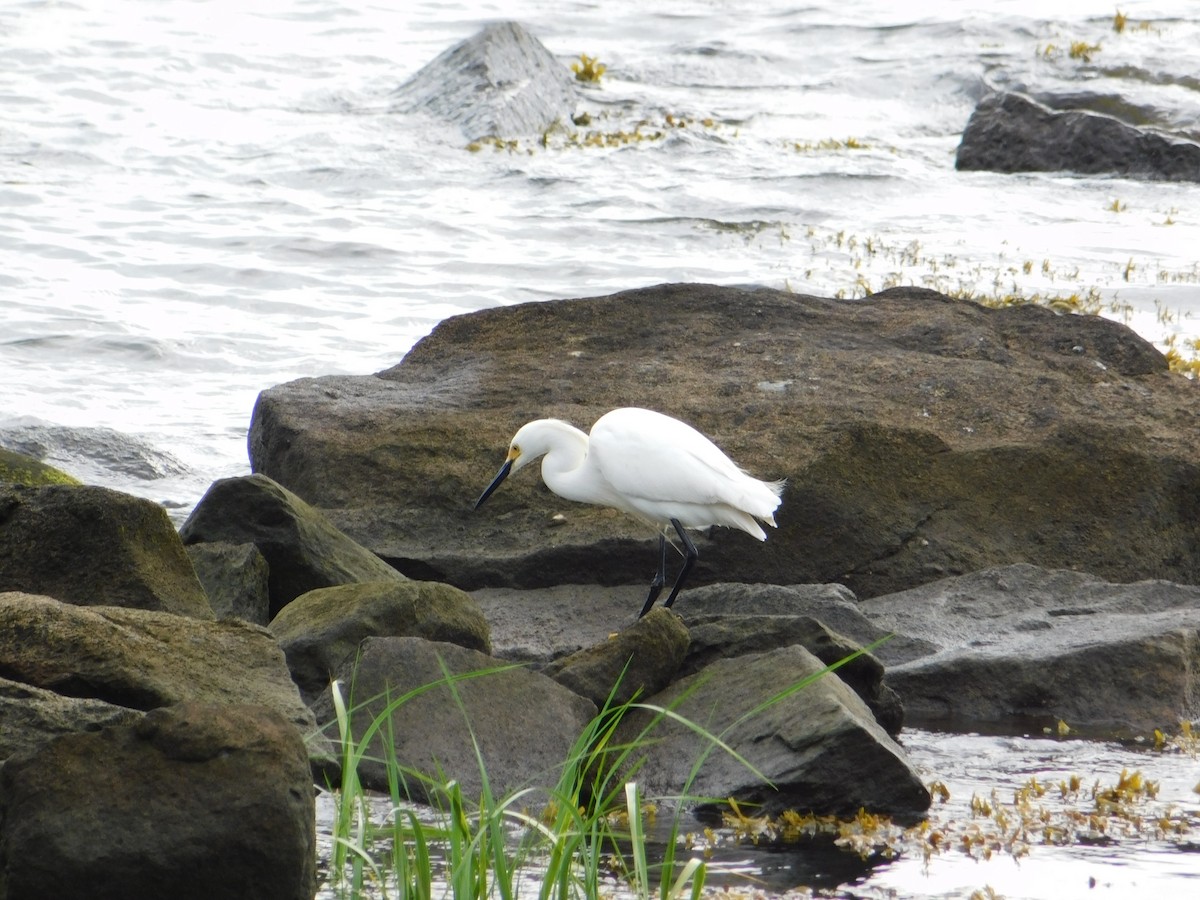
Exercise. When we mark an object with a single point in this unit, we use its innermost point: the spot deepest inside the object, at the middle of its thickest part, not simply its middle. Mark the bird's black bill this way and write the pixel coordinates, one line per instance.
(500, 476)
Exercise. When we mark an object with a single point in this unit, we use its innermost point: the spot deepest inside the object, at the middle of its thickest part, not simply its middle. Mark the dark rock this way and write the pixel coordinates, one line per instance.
(1017, 648)
(93, 546)
(32, 716)
(641, 659)
(235, 578)
(141, 659)
(921, 437)
(304, 551)
(321, 630)
(833, 604)
(500, 82)
(524, 723)
(730, 636)
(17, 468)
(192, 802)
(819, 746)
(1010, 132)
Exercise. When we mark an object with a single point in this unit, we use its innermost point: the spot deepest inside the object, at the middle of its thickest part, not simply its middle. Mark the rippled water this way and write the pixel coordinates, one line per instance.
(202, 200)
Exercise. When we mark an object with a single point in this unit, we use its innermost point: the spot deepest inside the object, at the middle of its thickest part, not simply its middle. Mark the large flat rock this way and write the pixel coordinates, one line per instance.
(921, 437)
(1018, 648)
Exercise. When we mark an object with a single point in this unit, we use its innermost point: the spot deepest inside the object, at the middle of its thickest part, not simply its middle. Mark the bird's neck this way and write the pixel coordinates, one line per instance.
(563, 466)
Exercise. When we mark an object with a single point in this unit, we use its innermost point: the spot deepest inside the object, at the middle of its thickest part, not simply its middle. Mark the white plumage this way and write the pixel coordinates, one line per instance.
(651, 466)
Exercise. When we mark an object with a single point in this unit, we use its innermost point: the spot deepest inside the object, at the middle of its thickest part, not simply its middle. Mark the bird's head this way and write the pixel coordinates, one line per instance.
(532, 440)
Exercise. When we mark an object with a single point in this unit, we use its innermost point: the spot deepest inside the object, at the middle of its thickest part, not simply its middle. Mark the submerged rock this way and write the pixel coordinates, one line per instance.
(92, 546)
(91, 451)
(501, 82)
(194, 801)
(1010, 132)
(304, 551)
(1019, 648)
(920, 436)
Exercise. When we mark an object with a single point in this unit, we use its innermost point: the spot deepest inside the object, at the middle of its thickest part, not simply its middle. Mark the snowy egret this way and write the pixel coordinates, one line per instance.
(653, 467)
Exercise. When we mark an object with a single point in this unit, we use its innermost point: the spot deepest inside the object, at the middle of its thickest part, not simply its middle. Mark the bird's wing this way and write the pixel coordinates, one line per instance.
(647, 456)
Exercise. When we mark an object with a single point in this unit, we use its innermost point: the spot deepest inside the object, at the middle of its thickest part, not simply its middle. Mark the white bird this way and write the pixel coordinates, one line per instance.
(655, 468)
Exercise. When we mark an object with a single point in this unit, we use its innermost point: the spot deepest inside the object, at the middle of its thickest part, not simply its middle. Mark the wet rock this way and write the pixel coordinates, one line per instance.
(321, 630)
(304, 551)
(93, 546)
(91, 452)
(17, 468)
(194, 801)
(1010, 132)
(641, 659)
(141, 660)
(501, 82)
(819, 746)
(921, 437)
(1017, 648)
(235, 578)
(525, 723)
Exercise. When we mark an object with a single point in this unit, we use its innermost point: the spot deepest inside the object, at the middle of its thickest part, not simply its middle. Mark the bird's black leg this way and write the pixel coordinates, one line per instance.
(690, 553)
(660, 577)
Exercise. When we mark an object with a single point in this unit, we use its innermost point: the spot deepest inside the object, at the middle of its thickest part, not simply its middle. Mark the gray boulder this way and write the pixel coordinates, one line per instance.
(1019, 647)
(727, 637)
(33, 716)
(819, 748)
(921, 437)
(539, 625)
(524, 723)
(501, 82)
(304, 551)
(235, 578)
(93, 546)
(193, 802)
(141, 660)
(321, 630)
(1010, 132)
(641, 660)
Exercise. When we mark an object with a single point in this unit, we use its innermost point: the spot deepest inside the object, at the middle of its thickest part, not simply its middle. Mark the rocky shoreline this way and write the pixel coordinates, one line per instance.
(1011, 494)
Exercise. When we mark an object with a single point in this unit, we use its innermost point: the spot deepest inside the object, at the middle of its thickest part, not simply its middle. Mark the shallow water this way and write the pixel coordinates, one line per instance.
(1151, 851)
(204, 200)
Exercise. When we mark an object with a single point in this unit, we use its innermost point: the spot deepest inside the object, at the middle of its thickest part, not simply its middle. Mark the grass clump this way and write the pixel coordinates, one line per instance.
(584, 836)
